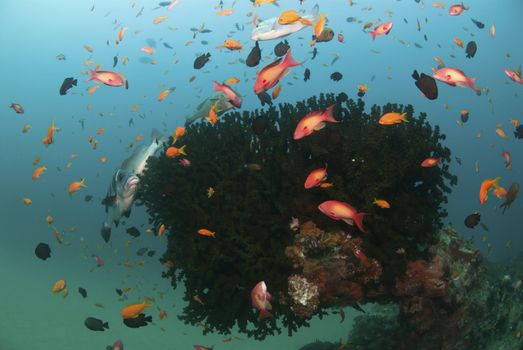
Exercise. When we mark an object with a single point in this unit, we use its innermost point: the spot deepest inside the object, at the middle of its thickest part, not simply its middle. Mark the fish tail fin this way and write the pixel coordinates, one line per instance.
(156, 135)
(147, 302)
(106, 232)
(373, 35)
(315, 11)
(327, 115)
(92, 75)
(358, 220)
(465, 7)
(470, 82)
(182, 150)
(495, 183)
(217, 86)
(404, 118)
(106, 325)
(264, 314)
(82, 182)
(289, 61)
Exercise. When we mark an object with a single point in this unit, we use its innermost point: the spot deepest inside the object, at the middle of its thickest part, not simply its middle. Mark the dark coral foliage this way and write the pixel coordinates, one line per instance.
(258, 180)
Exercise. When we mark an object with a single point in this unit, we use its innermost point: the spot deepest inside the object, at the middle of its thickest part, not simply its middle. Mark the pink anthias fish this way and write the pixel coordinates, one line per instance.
(172, 4)
(106, 77)
(234, 98)
(316, 178)
(99, 261)
(313, 122)
(457, 9)
(382, 29)
(337, 210)
(515, 76)
(506, 156)
(454, 77)
(271, 74)
(260, 299)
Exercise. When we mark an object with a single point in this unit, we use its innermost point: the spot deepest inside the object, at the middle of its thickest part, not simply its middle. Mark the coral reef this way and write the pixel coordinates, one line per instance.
(257, 172)
(451, 300)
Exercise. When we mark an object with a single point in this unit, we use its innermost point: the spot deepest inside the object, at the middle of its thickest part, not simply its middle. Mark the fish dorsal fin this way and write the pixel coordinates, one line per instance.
(518, 72)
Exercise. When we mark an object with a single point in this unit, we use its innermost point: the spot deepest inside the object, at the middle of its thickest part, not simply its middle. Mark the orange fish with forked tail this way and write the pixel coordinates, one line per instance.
(58, 286)
(38, 171)
(486, 186)
(133, 310)
(75, 186)
(50, 132)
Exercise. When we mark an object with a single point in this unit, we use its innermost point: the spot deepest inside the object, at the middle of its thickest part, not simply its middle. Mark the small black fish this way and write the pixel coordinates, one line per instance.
(426, 84)
(141, 251)
(425, 37)
(265, 98)
(164, 3)
(471, 49)
(336, 76)
(326, 35)
(200, 61)
(418, 45)
(519, 132)
(137, 322)
(119, 291)
(67, 84)
(151, 252)
(105, 233)
(281, 48)
(115, 61)
(254, 56)
(472, 220)
(168, 46)
(458, 160)
(82, 292)
(95, 324)
(88, 198)
(307, 74)
(354, 19)
(43, 251)
(478, 24)
(314, 53)
(133, 231)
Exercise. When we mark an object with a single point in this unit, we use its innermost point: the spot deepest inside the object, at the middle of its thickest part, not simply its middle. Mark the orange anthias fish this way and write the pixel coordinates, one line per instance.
(213, 116)
(58, 286)
(205, 232)
(381, 203)
(276, 92)
(393, 118)
(226, 12)
(159, 19)
(231, 45)
(506, 156)
(92, 89)
(161, 230)
(291, 16)
(501, 133)
(172, 151)
(430, 162)
(486, 186)
(232, 81)
(148, 50)
(164, 94)
(500, 192)
(133, 310)
(38, 171)
(178, 134)
(120, 35)
(163, 314)
(50, 133)
(75, 186)
(319, 25)
(316, 178)
(458, 42)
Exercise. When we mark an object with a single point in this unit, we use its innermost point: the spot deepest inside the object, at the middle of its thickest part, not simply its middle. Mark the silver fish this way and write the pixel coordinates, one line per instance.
(202, 111)
(121, 193)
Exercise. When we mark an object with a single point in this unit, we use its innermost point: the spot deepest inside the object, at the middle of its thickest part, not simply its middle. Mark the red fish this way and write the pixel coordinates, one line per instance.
(456, 10)
(234, 98)
(382, 29)
(99, 261)
(454, 77)
(316, 178)
(337, 210)
(271, 74)
(260, 299)
(515, 76)
(313, 122)
(430, 162)
(106, 77)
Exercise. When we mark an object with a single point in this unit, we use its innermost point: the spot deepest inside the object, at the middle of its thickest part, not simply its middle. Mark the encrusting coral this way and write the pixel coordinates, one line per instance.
(257, 171)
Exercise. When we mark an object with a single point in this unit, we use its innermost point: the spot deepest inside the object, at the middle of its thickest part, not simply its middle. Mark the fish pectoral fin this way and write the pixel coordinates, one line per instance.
(349, 221)
(319, 126)
(109, 201)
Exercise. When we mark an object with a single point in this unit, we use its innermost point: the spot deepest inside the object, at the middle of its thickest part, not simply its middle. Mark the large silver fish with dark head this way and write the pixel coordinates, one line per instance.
(124, 184)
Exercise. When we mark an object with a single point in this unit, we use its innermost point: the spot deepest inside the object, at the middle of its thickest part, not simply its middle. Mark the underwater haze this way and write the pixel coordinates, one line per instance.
(80, 212)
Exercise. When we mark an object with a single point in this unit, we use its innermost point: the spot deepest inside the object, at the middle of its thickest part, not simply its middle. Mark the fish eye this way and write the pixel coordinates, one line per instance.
(264, 81)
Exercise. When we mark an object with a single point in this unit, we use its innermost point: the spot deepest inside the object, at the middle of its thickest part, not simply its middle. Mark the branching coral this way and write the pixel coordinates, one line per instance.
(257, 172)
